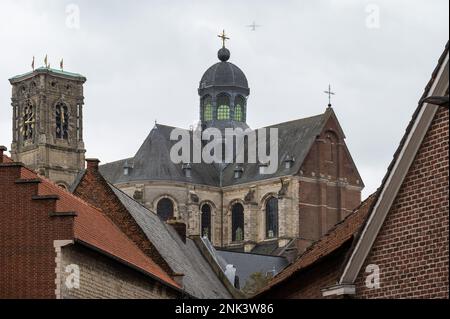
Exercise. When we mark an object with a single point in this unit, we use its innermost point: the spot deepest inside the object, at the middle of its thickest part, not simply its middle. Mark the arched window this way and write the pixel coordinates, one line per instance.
(207, 109)
(237, 222)
(272, 217)
(164, 209)
(206, 221)
(28, 121)
(62, 121)
(239, 108)
(223, 107)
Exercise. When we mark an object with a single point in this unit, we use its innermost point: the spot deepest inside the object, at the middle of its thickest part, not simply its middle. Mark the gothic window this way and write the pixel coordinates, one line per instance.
(164, 209)
(239, 108)
(206, 221)
(207, 109)
(29, 121)
(237, 222)
(62, 121)
(272, 217)
(223, 109)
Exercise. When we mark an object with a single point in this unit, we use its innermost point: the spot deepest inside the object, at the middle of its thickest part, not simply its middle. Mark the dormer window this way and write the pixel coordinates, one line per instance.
(289, 162)
(127, 167)
(238, 171)
(187, 169)
(263, 167)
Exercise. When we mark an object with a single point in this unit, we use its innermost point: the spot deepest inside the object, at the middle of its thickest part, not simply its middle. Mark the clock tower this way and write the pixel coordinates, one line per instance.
(48, 123)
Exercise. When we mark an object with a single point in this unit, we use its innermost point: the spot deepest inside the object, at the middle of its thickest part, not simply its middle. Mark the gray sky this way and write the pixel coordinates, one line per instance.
(144, 59)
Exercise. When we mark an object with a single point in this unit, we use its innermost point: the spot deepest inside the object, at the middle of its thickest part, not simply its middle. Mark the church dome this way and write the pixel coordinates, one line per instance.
(224, 74)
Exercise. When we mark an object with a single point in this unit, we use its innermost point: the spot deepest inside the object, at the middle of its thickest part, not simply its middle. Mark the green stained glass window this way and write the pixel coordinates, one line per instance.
(238, 113)
(239, 109)
(208, 113)
(207, 109)
(223, 109)
(223, 112)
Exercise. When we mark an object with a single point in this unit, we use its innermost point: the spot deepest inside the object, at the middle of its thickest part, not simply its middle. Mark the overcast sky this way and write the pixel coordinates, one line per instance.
(144, 60)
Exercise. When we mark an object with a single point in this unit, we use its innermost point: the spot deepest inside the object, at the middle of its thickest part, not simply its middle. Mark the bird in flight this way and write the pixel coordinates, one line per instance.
(253, 26)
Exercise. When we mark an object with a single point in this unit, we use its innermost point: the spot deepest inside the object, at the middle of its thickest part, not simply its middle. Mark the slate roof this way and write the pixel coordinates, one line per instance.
(247, 264)
(224, 74)
(152, 161)
(199, 279)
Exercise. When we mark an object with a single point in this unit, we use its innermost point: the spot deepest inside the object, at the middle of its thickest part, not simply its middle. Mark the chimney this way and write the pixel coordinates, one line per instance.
(179, 227)
(2, 149)
(92, 164)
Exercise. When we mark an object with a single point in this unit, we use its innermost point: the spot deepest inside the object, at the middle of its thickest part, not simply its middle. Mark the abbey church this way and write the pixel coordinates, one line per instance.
(238, 207)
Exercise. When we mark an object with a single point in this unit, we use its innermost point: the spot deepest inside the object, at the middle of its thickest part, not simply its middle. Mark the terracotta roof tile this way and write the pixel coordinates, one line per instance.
(92, 227)
(331, 241)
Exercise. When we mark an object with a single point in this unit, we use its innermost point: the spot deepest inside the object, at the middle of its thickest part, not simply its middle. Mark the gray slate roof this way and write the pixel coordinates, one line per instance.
(152, 161)
(247, 264)
(224, 74)
(199, 281)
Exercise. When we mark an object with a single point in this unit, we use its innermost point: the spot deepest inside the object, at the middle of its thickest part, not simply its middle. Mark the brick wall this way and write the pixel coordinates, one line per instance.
(330, 185)
(102, 277)
(308, 284)
(412, 248)
(27, 255)
(94, 189)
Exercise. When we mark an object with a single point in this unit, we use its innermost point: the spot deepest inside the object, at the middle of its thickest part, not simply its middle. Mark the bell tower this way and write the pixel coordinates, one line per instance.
(48, 123)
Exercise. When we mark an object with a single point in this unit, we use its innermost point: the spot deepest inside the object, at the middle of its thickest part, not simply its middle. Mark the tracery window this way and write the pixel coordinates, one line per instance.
(206, 221)
(237, 222)
(29, 120)
(62, 121)
(164, 209)
(272, 217)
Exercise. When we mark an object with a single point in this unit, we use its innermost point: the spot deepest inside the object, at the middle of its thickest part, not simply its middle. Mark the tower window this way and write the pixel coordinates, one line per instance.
(164, 209)
(62, 121)
(272, 217)
(237, 222)
(238, 113)
(223, 109)
(28, 122)
(207, 109)
(239, 108)
(206, 221)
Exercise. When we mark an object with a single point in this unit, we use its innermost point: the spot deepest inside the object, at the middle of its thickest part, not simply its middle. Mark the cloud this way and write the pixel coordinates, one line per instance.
(144, 59)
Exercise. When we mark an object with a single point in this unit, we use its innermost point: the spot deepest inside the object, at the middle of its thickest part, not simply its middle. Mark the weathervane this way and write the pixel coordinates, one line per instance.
(224, 37)
(330, 93)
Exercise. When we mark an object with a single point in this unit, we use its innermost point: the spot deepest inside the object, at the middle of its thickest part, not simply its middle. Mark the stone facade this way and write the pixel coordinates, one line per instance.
(48, 123)
(325, 190)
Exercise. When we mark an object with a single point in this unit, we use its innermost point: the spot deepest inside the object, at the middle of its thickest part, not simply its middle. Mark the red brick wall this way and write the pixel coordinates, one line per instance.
(412, 248)
(27, 232)
(94, 189)
(309, 283)
(322, 203)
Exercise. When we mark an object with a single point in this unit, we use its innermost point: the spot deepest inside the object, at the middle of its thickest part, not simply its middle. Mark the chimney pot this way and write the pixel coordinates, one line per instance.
(179, 227)
(92, 164)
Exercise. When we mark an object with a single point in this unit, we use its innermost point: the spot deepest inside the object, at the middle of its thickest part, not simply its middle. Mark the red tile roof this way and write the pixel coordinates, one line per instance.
(93, 228)
(331, 241)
